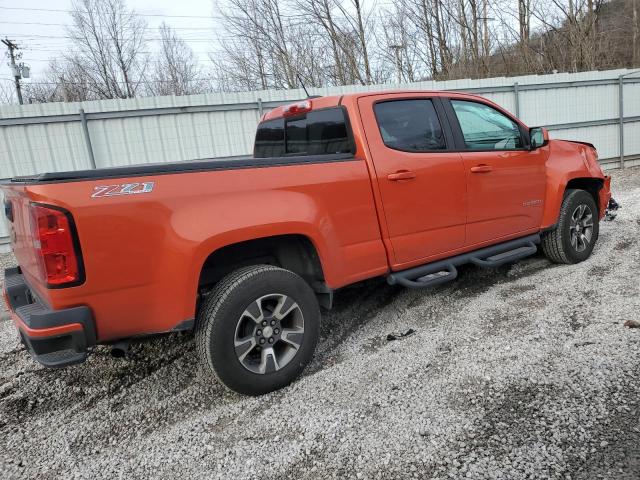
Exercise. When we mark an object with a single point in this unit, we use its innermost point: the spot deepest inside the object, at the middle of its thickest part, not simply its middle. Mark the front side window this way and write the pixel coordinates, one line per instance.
(410, 125)
(320, 132)
(485, 128)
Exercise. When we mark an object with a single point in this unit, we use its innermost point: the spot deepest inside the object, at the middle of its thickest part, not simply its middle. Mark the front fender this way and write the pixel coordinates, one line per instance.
(567, 161)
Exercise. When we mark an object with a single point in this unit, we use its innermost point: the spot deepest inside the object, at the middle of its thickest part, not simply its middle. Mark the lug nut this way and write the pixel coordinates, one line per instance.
(271, 340)
(264, 323)
(259, 332)
(276, 331)
(261, 341)
(273, 322)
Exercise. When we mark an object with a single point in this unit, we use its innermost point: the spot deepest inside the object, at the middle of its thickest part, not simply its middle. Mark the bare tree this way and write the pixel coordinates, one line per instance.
(269, 43)
(108, 46)
(61, 82)
(176, 70)
(323, 13)
(356, 37)
(262, 49)
(7, 92)
(399, 43)
(524, 20)
(635, 39)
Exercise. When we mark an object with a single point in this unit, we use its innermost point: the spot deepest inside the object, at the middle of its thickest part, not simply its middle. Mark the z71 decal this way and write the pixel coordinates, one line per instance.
(122, 189)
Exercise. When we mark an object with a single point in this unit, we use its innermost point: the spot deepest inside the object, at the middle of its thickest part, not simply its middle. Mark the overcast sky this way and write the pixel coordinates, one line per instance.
(39, 43)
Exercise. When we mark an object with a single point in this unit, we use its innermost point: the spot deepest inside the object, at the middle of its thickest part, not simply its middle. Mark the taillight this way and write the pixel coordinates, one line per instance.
(297, 108)
(55, 242)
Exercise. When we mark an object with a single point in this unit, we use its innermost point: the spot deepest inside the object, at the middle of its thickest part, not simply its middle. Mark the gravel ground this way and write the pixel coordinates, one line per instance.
(519, 372)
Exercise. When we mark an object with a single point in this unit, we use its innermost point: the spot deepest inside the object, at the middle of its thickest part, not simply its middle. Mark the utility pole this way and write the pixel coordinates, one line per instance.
(485, 29)
(14, 68)
(636, 50)
(397, 50)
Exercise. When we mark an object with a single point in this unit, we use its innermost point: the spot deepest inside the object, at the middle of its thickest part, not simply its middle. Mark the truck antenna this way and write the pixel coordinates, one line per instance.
(302, 83)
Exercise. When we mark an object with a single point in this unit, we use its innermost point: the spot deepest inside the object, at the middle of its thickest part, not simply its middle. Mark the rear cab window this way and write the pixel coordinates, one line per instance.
(318, 132)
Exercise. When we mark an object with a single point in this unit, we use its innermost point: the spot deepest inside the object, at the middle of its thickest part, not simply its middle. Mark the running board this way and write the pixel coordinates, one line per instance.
(442, 271)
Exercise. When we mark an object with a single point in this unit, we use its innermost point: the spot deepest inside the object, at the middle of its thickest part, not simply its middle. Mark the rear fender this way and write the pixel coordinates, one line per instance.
(250, 216)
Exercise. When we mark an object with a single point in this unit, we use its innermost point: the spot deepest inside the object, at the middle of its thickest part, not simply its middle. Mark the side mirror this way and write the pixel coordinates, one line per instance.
(538, 137)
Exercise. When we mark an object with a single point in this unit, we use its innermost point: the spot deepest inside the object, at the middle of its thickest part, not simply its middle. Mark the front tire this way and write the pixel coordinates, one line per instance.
(577, 231)
(258, 329)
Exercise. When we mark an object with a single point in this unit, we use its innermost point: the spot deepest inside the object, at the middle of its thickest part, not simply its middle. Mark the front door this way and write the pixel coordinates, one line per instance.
(421, 180)
(506, 181)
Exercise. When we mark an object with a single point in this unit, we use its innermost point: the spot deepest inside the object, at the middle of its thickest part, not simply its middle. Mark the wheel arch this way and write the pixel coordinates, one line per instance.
(556, 195)
(589, 184)
(293, 251)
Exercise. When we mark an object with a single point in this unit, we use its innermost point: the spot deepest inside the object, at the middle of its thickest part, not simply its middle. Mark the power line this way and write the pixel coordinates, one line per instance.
(119, 82)
(67, 25)
(29, 35)
(72, 11)
(137, 14)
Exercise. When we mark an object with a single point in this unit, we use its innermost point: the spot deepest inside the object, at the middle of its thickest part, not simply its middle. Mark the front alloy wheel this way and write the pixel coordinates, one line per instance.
(581, 227)
(575, 235)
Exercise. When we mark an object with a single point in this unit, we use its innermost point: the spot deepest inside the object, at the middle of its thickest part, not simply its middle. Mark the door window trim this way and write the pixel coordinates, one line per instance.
(459, 136)
(440, 114)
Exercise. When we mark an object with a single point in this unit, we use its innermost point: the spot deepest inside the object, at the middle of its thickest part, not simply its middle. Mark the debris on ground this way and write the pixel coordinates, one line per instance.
(632, 323)
(398, 336)
(612, 207)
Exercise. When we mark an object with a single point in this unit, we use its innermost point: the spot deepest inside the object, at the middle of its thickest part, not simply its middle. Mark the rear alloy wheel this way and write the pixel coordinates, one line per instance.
(269, 333)
(576, 233)
(258, 329)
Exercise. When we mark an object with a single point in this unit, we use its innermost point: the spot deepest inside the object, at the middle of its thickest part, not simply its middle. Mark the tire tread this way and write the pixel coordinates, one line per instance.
(553, 241)
(208, 319)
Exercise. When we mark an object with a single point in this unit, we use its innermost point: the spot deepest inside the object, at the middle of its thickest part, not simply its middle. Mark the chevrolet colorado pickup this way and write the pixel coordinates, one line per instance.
(244, 252)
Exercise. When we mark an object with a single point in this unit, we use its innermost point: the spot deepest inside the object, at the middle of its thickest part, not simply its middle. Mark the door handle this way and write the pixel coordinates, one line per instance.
(401, 175)
(482, 169)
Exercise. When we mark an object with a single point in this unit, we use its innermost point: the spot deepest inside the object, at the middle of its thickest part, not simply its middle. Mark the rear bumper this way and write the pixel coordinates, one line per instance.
(55, 338)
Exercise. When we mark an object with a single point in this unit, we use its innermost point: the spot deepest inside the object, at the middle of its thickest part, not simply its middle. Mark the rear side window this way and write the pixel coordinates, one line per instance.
(485, 128)
(319, 132)
(410, 125)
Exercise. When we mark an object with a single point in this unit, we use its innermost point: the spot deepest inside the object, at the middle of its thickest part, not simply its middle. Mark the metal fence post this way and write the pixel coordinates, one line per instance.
(621, 119)
(260, 109)
(516, 93)
(87, 137)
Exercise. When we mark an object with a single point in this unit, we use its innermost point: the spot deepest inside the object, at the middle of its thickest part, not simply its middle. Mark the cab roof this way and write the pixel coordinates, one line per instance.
(336, 100)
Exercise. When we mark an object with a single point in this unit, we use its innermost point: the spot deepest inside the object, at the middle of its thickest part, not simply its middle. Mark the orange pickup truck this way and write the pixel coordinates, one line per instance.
(244, 252)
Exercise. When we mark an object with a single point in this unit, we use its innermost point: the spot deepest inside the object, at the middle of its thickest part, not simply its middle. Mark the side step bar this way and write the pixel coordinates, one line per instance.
(442, 271)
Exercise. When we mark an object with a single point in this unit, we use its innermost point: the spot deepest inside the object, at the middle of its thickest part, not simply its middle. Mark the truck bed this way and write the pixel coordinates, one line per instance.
(225, 163)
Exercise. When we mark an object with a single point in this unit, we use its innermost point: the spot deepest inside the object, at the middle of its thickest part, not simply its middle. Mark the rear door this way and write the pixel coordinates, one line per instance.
(506, 181)
(421, 179)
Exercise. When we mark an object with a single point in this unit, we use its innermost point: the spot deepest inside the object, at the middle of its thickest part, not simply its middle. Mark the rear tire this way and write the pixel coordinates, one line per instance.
(575, 235)
(258, 329)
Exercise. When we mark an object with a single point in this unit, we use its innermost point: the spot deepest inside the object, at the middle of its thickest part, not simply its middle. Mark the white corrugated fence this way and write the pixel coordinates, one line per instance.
(48, 137)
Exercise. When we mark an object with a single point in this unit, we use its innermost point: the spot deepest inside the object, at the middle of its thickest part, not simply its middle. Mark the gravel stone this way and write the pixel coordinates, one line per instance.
(521, 372)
